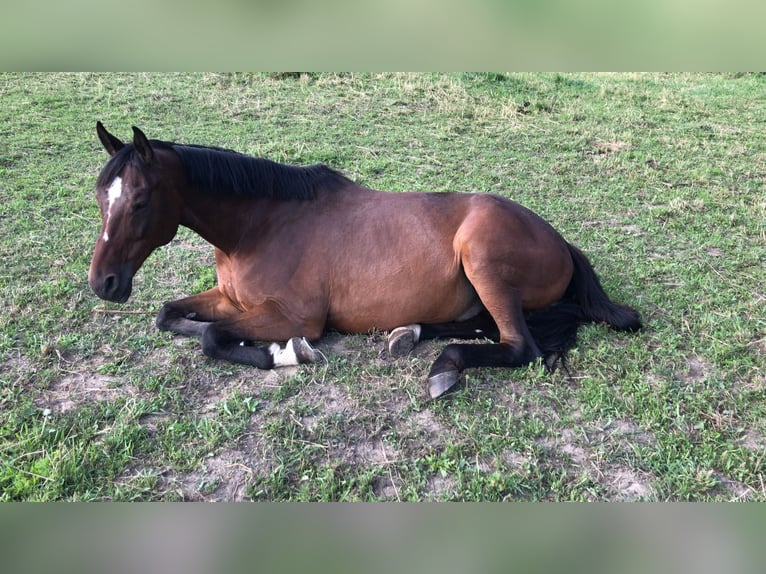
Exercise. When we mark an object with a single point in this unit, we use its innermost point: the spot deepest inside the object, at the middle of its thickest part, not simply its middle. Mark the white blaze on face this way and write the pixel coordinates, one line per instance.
(113, 194)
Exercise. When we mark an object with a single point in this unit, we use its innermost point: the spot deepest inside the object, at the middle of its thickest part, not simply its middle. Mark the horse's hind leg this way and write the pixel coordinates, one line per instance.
(516, 346)
(403, 339)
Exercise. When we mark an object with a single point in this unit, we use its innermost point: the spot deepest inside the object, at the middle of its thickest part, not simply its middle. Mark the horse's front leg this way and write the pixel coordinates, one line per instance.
(232, 339)
(192, 315)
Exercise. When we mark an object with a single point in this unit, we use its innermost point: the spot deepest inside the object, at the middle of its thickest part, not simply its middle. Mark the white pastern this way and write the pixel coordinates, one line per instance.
(284, 357)
(114, 192)
(297, 350)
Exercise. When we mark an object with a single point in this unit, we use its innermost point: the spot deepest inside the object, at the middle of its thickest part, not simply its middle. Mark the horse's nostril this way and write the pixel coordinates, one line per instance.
(113, 286)
(110, 285)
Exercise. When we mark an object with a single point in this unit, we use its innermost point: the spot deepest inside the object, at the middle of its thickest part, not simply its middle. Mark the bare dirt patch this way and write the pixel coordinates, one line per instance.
(627, 433)
(223, 477)
(628, 484)
(387, 488)
(440, 486)
(734, 488)
(74, 389)
(226, 475)
(698, 369)
(424, 423)
(753, 440)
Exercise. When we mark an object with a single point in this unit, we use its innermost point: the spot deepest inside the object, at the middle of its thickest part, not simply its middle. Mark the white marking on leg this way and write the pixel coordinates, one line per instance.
(113, 194)
(283, 357)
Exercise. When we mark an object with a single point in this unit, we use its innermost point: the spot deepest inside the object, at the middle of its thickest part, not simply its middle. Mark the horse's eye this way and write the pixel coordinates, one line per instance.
(140, 205)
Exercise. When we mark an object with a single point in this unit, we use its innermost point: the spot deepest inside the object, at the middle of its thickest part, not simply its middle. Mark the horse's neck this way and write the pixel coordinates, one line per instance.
(219, 221)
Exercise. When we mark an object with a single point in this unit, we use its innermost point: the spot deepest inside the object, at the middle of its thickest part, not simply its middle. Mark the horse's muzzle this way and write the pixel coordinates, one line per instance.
(114, 287)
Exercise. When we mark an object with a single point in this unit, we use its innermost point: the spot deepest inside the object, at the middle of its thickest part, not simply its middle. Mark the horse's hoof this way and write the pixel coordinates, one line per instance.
(304, 352)
(297, 351)
(402, 340)
(440, 383)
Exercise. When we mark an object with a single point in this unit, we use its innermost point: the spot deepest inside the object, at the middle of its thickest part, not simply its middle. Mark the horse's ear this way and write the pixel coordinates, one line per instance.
(110, 143)
(143, 147)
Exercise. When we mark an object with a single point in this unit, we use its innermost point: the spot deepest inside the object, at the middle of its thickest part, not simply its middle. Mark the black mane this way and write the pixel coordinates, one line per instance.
(218, 170)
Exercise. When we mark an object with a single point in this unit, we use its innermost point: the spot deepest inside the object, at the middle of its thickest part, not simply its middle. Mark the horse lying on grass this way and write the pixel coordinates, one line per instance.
(300, 250)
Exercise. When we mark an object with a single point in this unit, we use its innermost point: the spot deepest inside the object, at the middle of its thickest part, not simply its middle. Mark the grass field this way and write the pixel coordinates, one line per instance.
(660, 179)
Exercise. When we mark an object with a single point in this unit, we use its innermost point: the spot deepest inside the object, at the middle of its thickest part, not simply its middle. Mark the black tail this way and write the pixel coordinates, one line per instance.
(555, 328)
(585, 289)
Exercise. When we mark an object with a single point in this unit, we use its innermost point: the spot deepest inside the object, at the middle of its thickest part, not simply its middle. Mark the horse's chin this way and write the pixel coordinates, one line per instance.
(123, 298)
(123, 294)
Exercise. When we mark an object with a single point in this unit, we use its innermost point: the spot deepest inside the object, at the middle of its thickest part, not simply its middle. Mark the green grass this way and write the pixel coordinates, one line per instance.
(658, 178)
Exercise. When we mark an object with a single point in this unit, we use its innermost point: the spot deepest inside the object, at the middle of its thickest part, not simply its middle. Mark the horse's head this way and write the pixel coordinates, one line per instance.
(136, 192)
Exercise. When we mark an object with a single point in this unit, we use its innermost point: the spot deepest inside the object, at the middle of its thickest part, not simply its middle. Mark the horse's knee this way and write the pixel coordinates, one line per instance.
(218, 344)
(212, 342)
(176, 320)
(166, 316)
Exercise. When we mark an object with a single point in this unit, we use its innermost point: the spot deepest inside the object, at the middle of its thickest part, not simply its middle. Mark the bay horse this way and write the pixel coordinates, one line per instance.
(303, 250)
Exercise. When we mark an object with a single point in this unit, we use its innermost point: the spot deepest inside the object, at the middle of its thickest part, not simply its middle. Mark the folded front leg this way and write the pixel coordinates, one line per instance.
(296, 351)
(190, 316)
(232, 339)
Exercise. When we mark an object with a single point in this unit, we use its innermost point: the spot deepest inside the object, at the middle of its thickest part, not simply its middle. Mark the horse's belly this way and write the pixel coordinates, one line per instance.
(390, 304)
